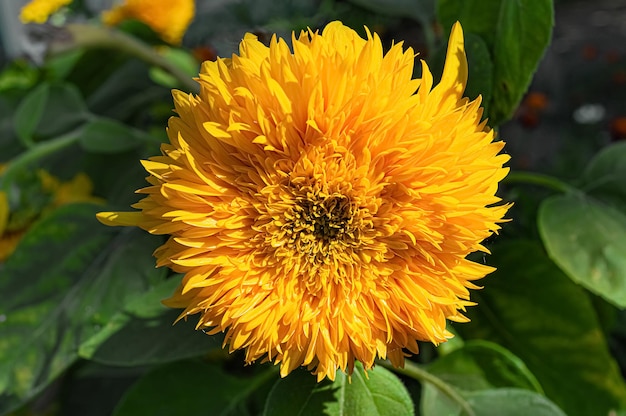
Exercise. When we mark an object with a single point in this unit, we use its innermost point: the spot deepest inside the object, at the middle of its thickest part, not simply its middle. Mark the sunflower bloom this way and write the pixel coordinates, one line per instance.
(38, 11)
(168, 18)
(321, 203)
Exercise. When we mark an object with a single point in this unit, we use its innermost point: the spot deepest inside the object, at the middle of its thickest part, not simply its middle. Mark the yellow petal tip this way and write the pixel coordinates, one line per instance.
(119, 218)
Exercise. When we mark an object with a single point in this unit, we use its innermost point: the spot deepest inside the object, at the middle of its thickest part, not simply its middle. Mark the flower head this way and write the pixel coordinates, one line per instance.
(168, 18)
(321, 203)
(38, 11)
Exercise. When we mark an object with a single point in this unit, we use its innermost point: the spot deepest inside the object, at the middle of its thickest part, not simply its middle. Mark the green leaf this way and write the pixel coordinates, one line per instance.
(180, 58)
(144, 333)
(548, 321)
(18, 74)
(585, 234)
(380, 393)
(192, 388)
(604, 177)
(118, 190)
(58, 66)
(587, 240)
(420, 10)
(116, 87)
(491, 402)
(434, 403)
(29, 112)
(109, 136)
(480, 365)
(67, 277)
(10, 144)
(512, 402)
(49, 110)
(516, 34)
(480, 69)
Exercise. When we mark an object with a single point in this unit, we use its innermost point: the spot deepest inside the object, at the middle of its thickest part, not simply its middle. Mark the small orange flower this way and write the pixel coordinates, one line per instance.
(168, 18)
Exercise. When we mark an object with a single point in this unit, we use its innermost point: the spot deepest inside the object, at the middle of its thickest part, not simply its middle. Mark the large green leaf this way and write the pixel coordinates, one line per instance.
(191, 388)
(380, 393)
(516, 34)
(490, 402)
(605, 176)
(549, 322)
(480, 365)
(477, 366)
(30, 111)
(512, 402)
(585, 233)
(587, 239)
(434, 402)
(104, 135)
(480, 69)
(49, 110)
(115, 89)
(143, 333)
(10, 145)
(65, 280)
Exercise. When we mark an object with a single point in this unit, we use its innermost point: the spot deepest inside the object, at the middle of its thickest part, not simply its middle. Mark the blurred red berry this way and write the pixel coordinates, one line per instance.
(618, 128)
(619, 77)
(590, 52)
(204, 53)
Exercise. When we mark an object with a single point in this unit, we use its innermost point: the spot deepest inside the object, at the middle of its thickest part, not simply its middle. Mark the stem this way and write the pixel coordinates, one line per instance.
(415, 372)
(90, 36)
(37, 152)
(540, 179)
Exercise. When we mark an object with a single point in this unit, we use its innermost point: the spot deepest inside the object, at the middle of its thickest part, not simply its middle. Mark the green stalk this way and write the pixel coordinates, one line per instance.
(415, 372)
(90, 36)
(547, 181)
(37, 152)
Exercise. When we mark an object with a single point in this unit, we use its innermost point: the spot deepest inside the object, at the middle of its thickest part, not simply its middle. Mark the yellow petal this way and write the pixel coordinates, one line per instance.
(120, 218)
(454, 76)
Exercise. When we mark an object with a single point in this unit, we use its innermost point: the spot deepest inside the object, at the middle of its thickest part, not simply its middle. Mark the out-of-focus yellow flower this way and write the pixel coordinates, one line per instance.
(7, 245)
(168, 18)
(4, 211)
(38, 11)
(321, 203)
(78, 189)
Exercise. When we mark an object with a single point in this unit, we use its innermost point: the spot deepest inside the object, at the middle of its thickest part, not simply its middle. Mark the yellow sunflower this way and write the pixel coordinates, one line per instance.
(168, 18)
(38, 11)
(321, 203)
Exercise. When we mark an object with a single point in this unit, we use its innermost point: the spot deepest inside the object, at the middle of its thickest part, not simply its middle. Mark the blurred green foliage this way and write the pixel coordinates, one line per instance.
(79, 302)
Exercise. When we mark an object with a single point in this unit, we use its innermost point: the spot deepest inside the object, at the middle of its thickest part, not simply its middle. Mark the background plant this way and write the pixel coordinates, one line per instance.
(82, 330)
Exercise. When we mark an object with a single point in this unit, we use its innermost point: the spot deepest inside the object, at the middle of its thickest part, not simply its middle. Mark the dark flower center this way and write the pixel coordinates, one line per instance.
(318, 224)
(326, 219)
